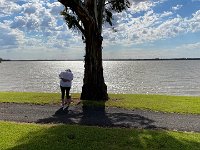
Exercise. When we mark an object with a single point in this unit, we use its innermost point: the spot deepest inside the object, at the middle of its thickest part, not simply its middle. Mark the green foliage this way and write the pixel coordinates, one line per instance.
(15, 136)
(163, 103)
(70, 19)
(119, 5)
(73, 21)
(115, 6)
(108, 16)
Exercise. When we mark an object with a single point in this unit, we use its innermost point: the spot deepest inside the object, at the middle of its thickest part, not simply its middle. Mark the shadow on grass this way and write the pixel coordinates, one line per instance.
(73, 137)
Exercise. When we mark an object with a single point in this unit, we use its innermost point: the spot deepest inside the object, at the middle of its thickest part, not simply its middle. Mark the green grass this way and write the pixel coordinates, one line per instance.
(29, 97)
(15, 136)
(164, 103)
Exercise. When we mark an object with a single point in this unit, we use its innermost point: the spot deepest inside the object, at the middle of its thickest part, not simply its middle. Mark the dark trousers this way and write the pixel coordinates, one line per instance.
(65, 90)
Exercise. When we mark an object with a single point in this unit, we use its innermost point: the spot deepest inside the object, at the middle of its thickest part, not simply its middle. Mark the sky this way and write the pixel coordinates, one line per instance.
(34, 29)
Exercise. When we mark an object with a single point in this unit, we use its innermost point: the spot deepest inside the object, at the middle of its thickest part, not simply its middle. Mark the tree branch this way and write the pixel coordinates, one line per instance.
(72, 21)
(80, 28)
(100, 7)
(78, 7)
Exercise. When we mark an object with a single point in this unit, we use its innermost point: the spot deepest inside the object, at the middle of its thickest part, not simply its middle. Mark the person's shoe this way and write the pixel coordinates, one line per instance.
(62, 106)
(65, 101)
(69, 101)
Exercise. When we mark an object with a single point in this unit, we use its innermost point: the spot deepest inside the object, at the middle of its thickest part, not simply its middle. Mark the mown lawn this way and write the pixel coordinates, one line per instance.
(18, 136)
(164, 103)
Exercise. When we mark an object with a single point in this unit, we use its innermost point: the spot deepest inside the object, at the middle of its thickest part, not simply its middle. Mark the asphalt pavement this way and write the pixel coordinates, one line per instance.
(98, 116)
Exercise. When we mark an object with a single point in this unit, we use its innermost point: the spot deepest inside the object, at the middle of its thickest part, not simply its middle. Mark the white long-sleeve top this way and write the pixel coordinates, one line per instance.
(66, 76)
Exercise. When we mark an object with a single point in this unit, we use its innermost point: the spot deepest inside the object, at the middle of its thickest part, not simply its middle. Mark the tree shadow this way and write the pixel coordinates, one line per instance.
(82, 114)
(74, 137)
(94, 115)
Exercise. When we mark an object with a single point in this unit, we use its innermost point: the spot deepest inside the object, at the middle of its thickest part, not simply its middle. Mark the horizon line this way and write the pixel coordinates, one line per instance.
(113, 59)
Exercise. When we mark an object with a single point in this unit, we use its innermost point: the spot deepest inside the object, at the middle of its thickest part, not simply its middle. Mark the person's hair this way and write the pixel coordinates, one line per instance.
(69, 70)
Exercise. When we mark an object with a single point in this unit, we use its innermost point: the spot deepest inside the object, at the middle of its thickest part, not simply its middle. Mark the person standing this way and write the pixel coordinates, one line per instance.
(66, 78)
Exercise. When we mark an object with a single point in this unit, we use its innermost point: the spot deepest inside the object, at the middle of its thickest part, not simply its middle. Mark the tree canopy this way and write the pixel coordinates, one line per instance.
(76, 12)
(88, 17)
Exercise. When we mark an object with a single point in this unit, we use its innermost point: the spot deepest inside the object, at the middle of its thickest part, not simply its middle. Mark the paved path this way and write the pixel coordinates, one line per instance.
(109, 117)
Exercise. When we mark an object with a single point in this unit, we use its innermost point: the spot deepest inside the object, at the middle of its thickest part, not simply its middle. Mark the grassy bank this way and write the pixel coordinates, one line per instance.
(164, 103)
(29, 97)
(16, 136)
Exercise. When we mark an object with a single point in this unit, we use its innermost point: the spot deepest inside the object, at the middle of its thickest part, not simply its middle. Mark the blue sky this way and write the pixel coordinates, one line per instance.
(33, 29)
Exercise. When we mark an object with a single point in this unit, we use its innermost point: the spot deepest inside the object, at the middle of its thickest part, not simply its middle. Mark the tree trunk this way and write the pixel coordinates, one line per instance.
(94, 87)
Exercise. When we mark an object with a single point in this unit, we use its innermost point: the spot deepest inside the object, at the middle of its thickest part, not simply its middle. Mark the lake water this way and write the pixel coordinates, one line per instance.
(174, 77)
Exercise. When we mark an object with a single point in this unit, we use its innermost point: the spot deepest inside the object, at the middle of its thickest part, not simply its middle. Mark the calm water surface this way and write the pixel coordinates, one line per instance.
(180, 77)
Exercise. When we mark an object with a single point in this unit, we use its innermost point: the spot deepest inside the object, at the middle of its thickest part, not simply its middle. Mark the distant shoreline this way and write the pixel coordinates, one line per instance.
(155, 59)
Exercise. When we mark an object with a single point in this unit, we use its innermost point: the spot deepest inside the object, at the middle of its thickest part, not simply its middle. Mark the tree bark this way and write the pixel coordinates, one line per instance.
(94, 87)
(91, 15)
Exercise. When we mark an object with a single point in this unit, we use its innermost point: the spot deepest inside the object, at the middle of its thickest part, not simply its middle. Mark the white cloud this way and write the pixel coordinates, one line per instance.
(8, 7)
(19, 22)
(177, 7)
(38, 24)
(39, 20)
(151, 27)
(10, 38)
(189, 47)
(142, 6)
(136, 53)
(55, 8)
(166, 14)
(31, 8)
(42, 52)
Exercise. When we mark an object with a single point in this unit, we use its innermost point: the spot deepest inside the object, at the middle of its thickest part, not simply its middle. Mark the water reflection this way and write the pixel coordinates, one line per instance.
(161, 77)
